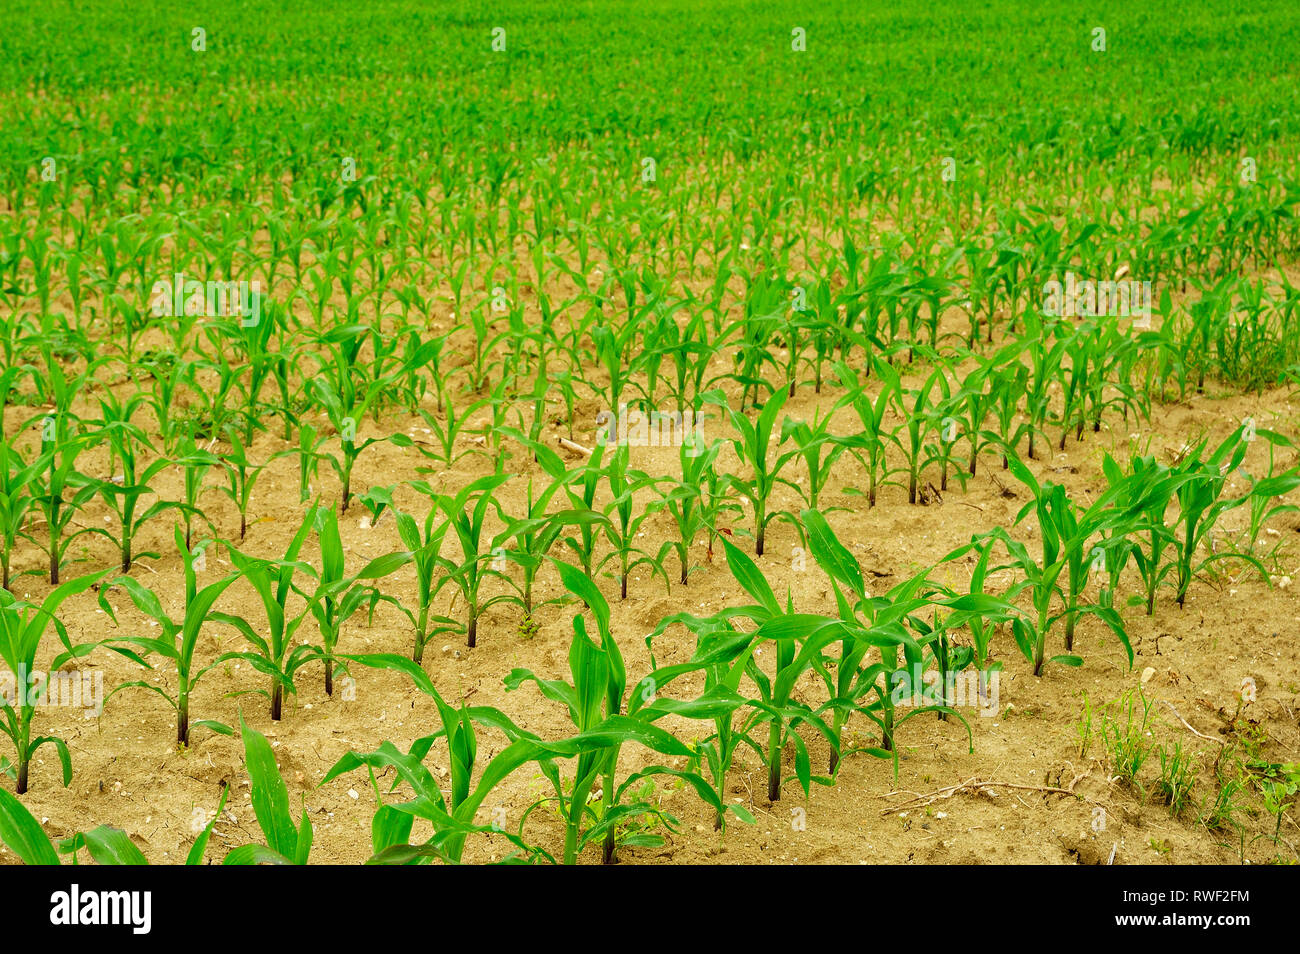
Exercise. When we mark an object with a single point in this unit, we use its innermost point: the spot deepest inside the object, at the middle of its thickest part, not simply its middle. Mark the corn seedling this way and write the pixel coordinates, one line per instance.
(16, 502)
(1201, 504)
(752, 447)
(123, 492)
(61, 491)
(623, 524)
(286, 843)
(335, 596)
(178, 640)
(1062, 570)
(275, 654)
(22, 626)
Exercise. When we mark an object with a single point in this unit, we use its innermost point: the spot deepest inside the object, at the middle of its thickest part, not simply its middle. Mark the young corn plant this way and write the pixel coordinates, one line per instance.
(466, 513)
(723, 653)
(377, 501)
(882, 623)
(1146, 538)
(870, 443)
(623, 524)
(686, 500)
(799, 639)
(918, 421)
(753, 447)
(535, 534)
(948, 657)
(853, 677)
(309, 455)
(723, 656)
(971, 406)
(286, 843)
(16, 502)
(425, 546)
(61, 491)
(596, 698)
(1062, 570)
(241, 476)
(345, 410)
(982, 627)
(1263, 492)
(1045, 350)
(819, 449)
(613, 349)
(194, 462)
(1009, 383)
(22, 627)
(448, 429)
(947, 433)
(123, 492)
(1200, 505)
(335, 596)
(452, 816)
(581, 485)
(275, 654)
(178, 640)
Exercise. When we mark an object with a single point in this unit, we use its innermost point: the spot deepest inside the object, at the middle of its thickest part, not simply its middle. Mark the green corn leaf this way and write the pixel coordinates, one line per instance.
(269, 794)
(23, 833)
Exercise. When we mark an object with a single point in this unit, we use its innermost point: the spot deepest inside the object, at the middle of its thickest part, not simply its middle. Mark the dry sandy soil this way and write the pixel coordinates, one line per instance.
(129, 773)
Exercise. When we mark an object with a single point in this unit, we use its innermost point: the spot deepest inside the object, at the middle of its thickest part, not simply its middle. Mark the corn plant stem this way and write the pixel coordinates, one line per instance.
(837, 724)
(183, 711)
(421, 634)
(774, 761)
(1040, 642)
(608, 802)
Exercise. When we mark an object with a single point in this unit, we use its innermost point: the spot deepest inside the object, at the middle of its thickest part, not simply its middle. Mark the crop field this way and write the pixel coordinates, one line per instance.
(649, 433)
